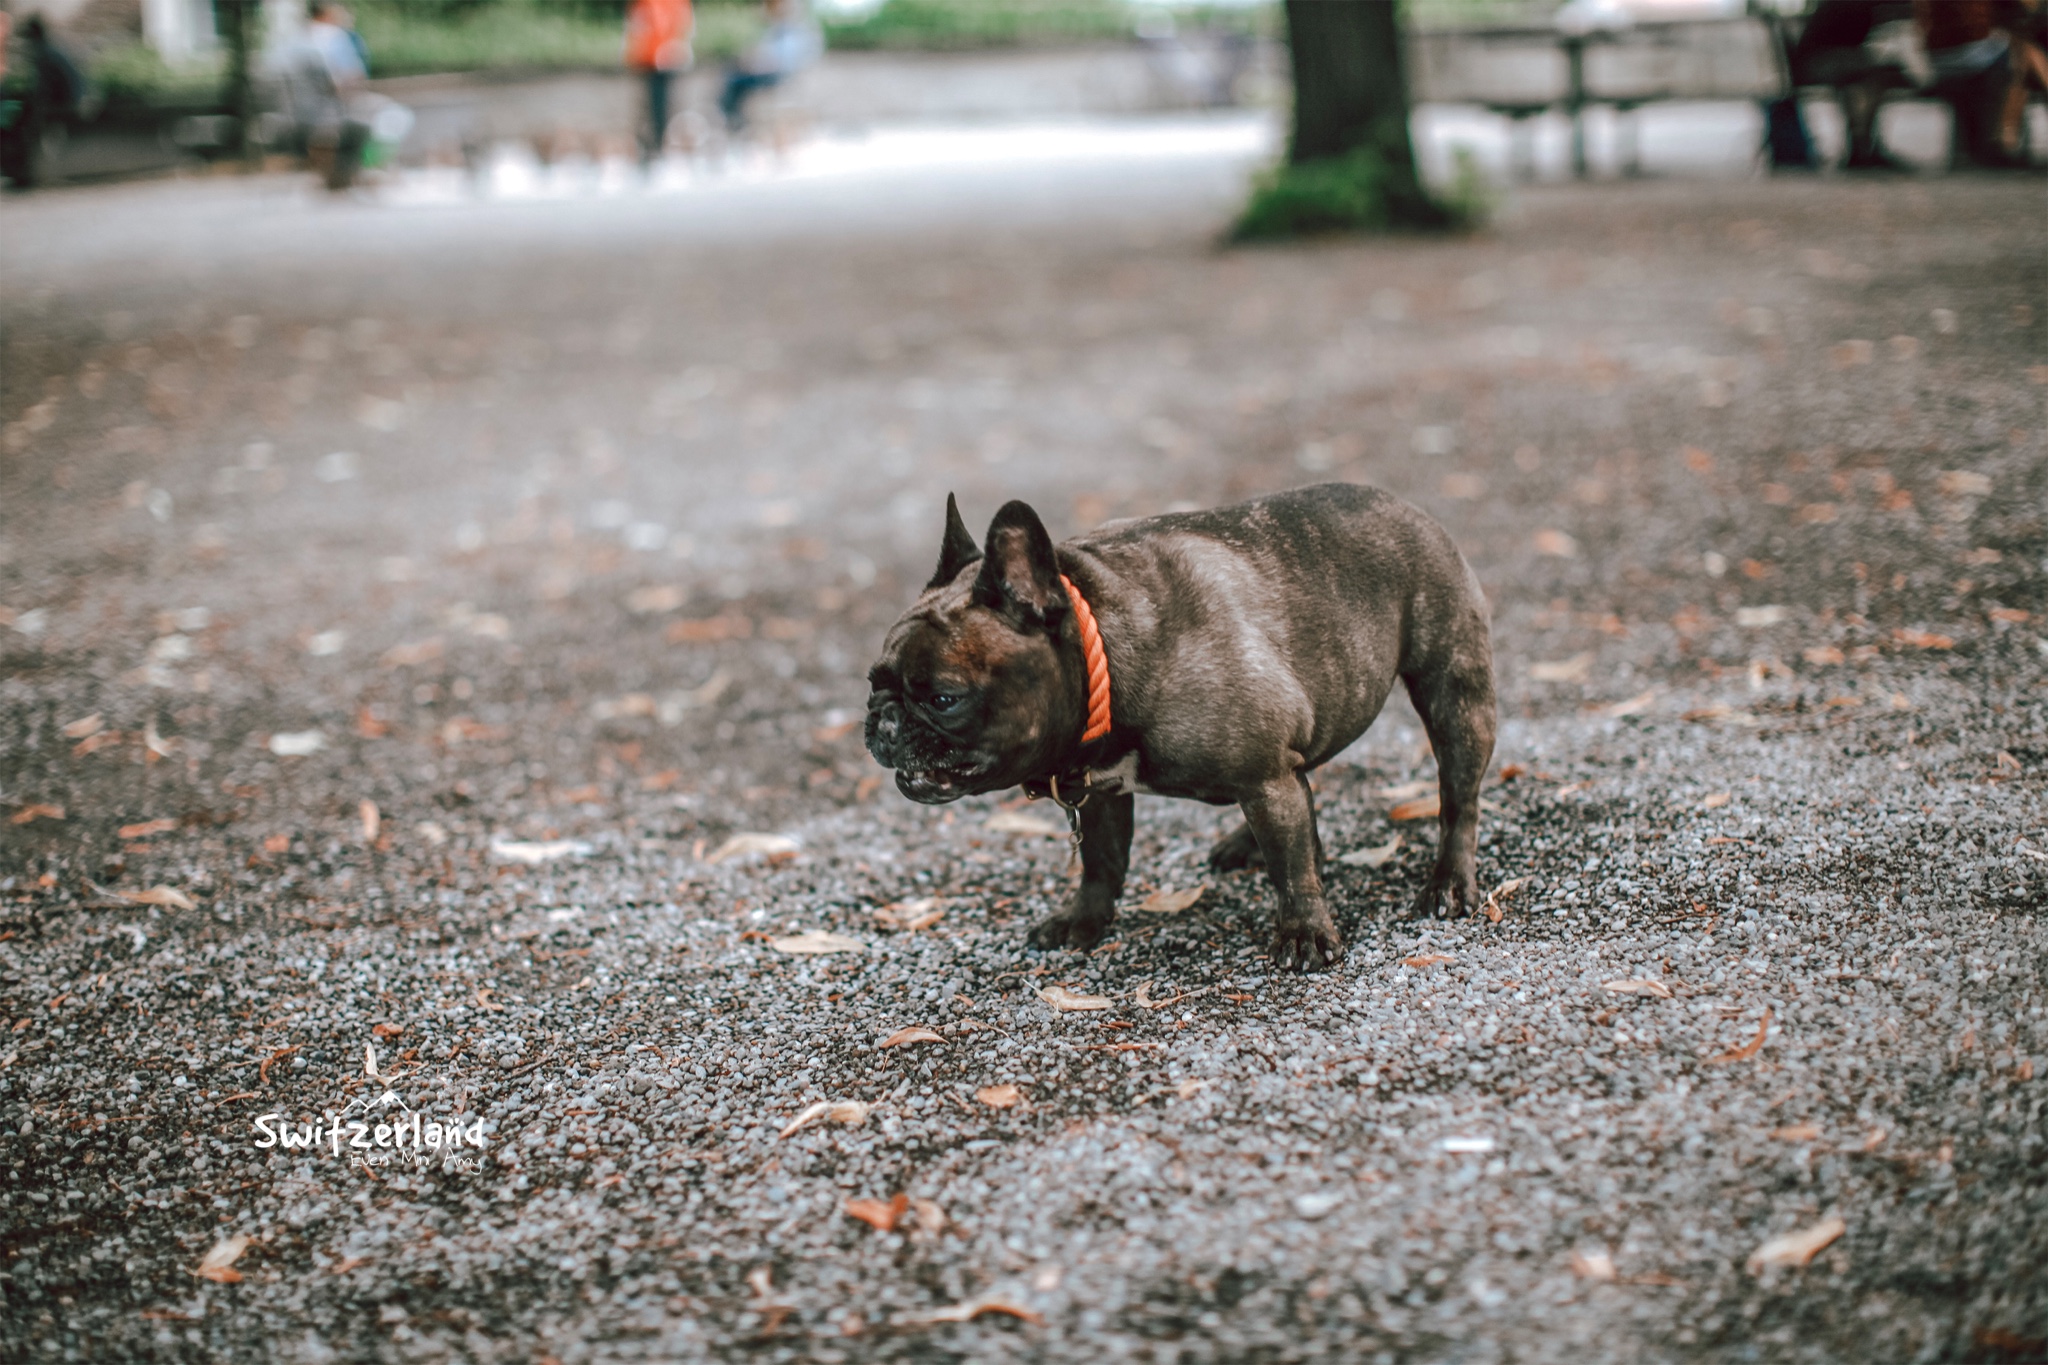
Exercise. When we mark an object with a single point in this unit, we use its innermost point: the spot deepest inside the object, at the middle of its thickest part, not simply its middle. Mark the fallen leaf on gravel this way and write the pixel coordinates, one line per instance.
(1422, 808)
(1406, 790)
(1923, 639)
(297, 743)
(1874, 1140)
(930, 1217)
(916, 1033)
(999, 1096)
(413, 653)
(1717, 800)
(483, 999)
(84, 726)
(1798, 1132)
(372, 819)
(974, 1308)
(533, 854)
(1496, 898)
(656, 598)
(147, 828)
(814, 941)
(167, 896)
(911, 915)
(388, 1030)
(1594, 1265)
(1427, 960)
(753, 845)
(1025, 822)
(2011, 616)
(1060, 998)
(1549, 541)
(1823, 656)
(880, 1216)
(1164, 902)
(1638, 987)
(1796, 1248)
(218, 1263)
(1635, 705)
(36, 812)
(1573, 669)
(1963, 483)
(1372, 857)
(851, 1113)
(1748, 1049)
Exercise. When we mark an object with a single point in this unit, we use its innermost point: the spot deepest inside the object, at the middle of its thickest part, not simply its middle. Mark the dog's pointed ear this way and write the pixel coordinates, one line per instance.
(1019, 576)
(957, 551)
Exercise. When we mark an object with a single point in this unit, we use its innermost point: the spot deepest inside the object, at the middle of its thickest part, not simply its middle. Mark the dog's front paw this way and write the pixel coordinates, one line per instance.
(1074, 928)
(1446, 896)
(1307, 945)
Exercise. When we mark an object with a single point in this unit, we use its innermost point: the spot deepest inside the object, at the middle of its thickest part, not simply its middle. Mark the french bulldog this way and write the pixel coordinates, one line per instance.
(1242, 647)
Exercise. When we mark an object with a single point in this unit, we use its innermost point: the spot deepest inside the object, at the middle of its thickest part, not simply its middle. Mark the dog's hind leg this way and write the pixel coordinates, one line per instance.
(1457, 709)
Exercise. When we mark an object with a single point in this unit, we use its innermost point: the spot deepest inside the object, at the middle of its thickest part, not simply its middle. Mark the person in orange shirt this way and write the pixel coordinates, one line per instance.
(657, 47)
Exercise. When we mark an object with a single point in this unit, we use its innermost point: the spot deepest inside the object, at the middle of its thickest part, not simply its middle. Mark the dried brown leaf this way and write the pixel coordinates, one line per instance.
(1798, 1132)
(84, 726)
(1633, 706)
(850, 1113)
(1060, 998)
(1026, 822)
(1376, 857)
(1550, 541)
(878, 1214)
(916, 1033)
(753, 845)
(372, 820)
(1422, 808)
(1796, 1248)
(1594, 1265)
(167, 896)
(1638, 987)
(974, 1308)
(1164, 902)
(1748, 1049)
(39, 811)
(1427, 959)
(217, 1263)
(1569, 670)
(1716, 800)
(999, 1096)
(147, 829)
(1496, 899)
(816, 941)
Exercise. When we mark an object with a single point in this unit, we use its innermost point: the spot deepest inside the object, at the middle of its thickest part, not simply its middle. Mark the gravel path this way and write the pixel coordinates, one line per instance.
(431, 601)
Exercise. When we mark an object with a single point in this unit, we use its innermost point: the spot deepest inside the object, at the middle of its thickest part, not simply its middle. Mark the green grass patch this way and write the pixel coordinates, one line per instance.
(1357, 193)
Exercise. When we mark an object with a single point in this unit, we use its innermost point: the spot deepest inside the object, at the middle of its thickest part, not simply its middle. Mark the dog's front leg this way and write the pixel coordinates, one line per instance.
(1105, 856)
(1281, 816)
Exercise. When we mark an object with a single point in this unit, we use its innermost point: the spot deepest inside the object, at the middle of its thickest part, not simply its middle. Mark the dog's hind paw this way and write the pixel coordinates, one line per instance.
(1237, 851)
(1445, 898)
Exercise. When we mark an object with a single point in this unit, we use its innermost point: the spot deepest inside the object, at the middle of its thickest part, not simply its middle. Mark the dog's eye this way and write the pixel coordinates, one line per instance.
(943, 701)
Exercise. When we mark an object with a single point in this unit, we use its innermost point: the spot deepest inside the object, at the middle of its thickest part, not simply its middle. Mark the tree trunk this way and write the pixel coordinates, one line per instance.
(1350, 90)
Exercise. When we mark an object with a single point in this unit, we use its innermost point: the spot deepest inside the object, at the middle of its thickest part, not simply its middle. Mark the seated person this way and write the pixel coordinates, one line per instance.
(1971, 51)
(1835, 49)
(791, 43)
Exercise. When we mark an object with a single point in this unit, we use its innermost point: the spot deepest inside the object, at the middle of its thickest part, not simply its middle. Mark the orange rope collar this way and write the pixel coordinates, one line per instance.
(1098, 665)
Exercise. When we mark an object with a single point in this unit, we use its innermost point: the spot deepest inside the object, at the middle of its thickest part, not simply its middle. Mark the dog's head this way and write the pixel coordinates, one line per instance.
(973, 691)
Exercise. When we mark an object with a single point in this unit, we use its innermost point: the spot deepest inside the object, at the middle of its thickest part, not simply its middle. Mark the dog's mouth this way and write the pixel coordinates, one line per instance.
(937, 786)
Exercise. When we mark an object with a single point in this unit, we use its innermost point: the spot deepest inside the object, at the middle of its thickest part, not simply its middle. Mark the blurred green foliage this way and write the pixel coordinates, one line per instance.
(1359, 192)
(134, 74)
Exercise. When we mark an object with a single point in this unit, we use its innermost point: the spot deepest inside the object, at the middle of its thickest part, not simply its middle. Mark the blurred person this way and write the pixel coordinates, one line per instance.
(340, 123)
(1970, 50)
(1836, 48)
(44, 94)
(657, 47)
(791, 43)
(2028, 31)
